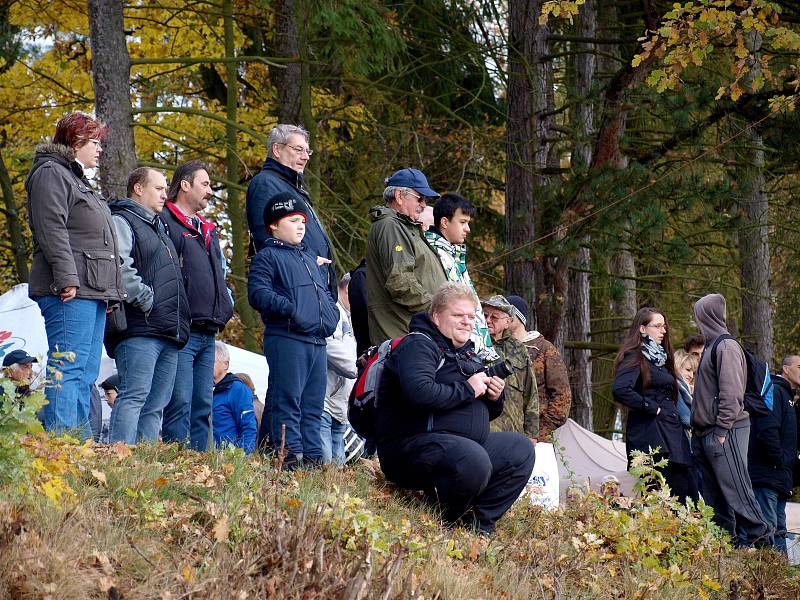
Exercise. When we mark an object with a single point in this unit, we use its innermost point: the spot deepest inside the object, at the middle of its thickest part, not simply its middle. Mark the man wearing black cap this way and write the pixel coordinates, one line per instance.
(521, 412)
(403, 270)
(552, 378)
(18, 367)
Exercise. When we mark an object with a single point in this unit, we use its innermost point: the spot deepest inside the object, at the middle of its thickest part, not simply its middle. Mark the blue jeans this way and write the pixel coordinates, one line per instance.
(298, 375)
(186, 415)
(774, 510)
(146, 367)
(76, 326)
(332, 432)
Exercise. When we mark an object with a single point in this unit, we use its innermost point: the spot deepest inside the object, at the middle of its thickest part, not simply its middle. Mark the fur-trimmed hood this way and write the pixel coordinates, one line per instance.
(65, 152)
(63, 155)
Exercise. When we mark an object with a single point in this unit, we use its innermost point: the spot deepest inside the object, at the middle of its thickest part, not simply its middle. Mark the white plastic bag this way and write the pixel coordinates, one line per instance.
(542, 488)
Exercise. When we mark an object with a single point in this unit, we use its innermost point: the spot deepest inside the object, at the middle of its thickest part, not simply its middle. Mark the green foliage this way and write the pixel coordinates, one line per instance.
(17, 417)
(747, 33)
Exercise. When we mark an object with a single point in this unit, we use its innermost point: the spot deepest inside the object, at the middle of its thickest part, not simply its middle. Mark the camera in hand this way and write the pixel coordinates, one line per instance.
(501, 369)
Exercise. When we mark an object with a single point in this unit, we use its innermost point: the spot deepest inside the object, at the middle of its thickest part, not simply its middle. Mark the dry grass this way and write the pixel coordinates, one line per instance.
(167, 524)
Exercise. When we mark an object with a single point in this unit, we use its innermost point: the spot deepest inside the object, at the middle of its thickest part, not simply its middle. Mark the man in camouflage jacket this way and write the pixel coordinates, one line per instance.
(552, 378)
(521, 410)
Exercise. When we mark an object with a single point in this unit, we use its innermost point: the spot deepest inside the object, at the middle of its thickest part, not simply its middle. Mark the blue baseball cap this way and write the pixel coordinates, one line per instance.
(414, 179)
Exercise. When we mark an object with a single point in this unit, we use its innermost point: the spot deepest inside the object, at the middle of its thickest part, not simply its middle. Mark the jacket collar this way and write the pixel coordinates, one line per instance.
(207, 227)
(288, 173)
(422, 322)
(61, 154)
(273, 241)
(384, 212)
(145, 214)
(438, 241)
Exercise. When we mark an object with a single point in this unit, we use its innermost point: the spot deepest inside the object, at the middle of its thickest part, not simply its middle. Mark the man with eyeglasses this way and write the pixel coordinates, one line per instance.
(288, 154)
(521, 412)
(403, 270)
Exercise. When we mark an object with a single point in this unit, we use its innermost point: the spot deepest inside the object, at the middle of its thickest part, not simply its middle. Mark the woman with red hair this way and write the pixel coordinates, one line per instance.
(75, 272)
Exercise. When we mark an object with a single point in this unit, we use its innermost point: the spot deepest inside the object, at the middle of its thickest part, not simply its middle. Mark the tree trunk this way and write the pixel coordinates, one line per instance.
(239, 234)
(287, 79)
(577, 313)
(527, 150)
(112, 92)
(14, 225)
(306, 109)
(753, 204)
(577, 327)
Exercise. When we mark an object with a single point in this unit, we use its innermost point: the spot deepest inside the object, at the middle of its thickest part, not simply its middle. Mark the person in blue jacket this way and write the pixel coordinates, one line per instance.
(287, 287)
(234, 418)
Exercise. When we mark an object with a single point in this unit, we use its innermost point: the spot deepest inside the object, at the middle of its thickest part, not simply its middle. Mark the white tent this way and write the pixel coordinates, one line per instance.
(584, 458)
(22, 327)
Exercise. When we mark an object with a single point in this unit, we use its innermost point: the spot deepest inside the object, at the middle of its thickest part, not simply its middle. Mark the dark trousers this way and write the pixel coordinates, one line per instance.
(473, 484)
(727, 488)
(682, 481)
(295, 396)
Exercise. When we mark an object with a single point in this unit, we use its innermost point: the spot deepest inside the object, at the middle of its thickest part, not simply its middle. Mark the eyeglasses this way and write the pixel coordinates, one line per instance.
(418, 197)
(497, 317)
(662, 326)
(300, 149)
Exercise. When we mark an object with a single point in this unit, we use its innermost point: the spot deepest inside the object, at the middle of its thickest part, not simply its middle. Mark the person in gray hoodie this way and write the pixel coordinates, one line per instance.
(721, 430)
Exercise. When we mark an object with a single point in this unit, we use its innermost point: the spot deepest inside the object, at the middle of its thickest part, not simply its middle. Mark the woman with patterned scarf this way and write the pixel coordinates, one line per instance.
(645, 383)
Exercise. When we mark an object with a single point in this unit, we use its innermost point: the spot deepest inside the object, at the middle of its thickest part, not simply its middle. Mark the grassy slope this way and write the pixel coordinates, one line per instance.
(156, 522)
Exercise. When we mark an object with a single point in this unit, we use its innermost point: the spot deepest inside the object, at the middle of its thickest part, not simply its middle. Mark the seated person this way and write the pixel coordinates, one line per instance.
(18, 367)
(433, 418)
(111, 390)
(234, 419)
(258, 405)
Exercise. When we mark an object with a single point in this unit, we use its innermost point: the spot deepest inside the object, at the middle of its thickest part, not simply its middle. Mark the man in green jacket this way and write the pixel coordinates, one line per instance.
(403, 271)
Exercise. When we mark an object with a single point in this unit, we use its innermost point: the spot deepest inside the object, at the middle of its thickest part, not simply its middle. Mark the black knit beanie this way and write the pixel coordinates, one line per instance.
(282, 205)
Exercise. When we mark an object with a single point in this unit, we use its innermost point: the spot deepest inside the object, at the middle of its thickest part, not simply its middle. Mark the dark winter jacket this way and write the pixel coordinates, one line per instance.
(286, 287)
(403, 273)
(275, 178)
(200, 258)
(156, 304)
(233, 415)
(646, 429)
(773, 442)
(718, 402)
(416, 398)
(74, 243)
(357, 293)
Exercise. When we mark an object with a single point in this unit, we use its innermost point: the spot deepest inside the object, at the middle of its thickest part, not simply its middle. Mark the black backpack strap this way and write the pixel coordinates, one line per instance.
(713, 353)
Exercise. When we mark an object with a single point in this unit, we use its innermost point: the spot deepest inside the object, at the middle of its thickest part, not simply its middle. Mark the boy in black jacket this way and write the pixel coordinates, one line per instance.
(286, 286)
(773, 450)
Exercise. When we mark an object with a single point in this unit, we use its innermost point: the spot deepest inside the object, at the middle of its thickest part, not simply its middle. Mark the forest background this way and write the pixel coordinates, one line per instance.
(622, 153)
